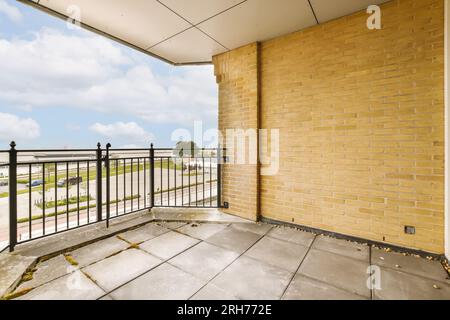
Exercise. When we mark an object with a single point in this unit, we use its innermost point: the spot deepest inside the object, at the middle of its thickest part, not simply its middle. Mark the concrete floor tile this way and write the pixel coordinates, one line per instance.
(303, 288)
(292, 235)
(211, 292)
(259, 228)
(342, 247)
(168, 245)
(119, 269)
(47, 271)
(12, 268)
(145, 233)
(204, 260)
(339, 271)
(202, 230)
(98, 251)
(75, 286)
(233, 239)
(251, 279)
(396, 285)
(278, 253)
(163, 283)
(410, 264)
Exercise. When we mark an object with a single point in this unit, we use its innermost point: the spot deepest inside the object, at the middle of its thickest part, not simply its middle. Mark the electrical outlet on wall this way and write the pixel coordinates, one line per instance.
(410, 230)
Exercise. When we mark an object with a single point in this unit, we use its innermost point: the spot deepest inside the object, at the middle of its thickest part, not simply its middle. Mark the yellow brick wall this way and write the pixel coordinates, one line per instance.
(361, 119)
(236, 74)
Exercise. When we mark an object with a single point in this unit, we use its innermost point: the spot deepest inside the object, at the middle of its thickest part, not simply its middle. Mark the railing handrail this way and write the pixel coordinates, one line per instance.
(191, 153)
(117, 149)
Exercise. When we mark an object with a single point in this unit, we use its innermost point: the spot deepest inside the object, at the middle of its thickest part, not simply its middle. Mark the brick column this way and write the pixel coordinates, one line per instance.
(237, 74)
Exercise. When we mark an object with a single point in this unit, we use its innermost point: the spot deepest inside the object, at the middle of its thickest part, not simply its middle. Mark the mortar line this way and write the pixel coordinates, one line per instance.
(301, 262)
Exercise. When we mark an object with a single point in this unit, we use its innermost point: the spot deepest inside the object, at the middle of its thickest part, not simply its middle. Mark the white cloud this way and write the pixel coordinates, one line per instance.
(10, 11)
(129, 131)
(90, 73)
(15, 128)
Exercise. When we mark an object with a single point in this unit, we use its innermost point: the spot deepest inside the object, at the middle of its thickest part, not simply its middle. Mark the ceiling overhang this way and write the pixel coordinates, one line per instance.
(183, 32)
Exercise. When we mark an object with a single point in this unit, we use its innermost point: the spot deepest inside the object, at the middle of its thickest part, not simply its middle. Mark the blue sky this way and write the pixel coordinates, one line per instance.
(66, 87)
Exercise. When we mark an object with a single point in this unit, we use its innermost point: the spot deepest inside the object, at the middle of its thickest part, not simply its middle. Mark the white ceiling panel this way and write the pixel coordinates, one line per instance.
(164, 27)
(258, 20)
(142, 23)
(196, 11)
(327, 10)
(191, 46)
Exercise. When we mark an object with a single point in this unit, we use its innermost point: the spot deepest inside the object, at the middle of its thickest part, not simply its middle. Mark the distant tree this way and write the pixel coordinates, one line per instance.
(185, 149)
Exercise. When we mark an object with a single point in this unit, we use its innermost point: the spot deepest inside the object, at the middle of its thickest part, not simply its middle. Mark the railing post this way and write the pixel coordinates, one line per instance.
(152, 176)
(12, 196)
(108, 185)
(219, 176)
(99, 182)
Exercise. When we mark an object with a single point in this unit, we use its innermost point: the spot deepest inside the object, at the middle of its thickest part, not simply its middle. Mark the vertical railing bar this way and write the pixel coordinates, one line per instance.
(161, 185)
(175, 188)
(88, 192)
(203, 177)
(67, 195)
(56, 197)
(219, 176)
(30, 208)
(43, 199)
(139, 183)
(78, 193)
(124, 186)
(210, 180)
(108, 185)
(117, 186)
(12, 188)
(99, 182)
(132, 195)
(168, 182)
(182, 181)
(196, 182)
(145, 183)
(152, 178)
(189, 179)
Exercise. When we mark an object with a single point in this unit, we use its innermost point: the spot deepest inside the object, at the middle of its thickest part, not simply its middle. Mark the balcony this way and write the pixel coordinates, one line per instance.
(347, 199)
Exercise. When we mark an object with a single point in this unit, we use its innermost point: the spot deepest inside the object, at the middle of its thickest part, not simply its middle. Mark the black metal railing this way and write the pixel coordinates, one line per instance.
(53, 191)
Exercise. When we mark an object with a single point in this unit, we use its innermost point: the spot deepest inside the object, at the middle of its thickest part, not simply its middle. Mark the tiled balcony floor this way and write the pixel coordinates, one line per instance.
(232, 261)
